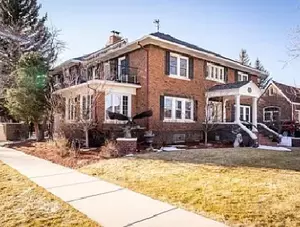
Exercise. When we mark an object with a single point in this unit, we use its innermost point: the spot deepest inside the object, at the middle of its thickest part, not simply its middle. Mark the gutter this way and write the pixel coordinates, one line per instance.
(147, 76)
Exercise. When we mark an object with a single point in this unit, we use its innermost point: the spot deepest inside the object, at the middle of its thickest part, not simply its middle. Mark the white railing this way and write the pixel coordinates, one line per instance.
(270, 130)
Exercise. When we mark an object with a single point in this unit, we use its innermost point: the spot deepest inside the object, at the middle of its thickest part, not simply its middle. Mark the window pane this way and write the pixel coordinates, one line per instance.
(245, 77)
(275, 116)
(247, 117)
(188, 110)
(183, 67)
(84, 107)
(168, 108)
(239, 77)
(216, 73)
(173, 65)
(125, 105)
(242, 113)
(267, 116)
(178, 108)
(108, 104)
(117, 103)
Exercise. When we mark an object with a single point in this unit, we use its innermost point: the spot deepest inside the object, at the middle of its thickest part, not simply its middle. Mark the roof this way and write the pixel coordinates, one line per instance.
(292, 93)
(192, 46)
(228, 86)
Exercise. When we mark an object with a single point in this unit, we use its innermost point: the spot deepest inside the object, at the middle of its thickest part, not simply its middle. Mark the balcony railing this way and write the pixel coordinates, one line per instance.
(120, 74)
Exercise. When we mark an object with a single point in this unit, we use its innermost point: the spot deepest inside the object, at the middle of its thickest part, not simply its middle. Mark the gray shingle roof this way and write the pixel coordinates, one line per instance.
(192, 46)
(228, 86)
(292, 93)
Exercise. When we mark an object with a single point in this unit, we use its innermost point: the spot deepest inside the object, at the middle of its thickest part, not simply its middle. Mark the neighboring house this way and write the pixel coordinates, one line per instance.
(182, 84)
(279, 103)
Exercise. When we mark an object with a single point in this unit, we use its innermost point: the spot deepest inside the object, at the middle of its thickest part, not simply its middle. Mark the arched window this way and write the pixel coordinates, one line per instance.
(271, 113)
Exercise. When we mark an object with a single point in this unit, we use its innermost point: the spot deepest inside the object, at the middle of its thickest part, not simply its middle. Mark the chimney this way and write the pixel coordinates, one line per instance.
(114, 38)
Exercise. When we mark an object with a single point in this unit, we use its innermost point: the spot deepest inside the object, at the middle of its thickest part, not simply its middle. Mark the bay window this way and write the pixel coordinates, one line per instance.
(178, 109)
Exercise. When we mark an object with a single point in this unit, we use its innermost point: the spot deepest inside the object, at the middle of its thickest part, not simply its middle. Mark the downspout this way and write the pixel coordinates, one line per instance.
(147, 79)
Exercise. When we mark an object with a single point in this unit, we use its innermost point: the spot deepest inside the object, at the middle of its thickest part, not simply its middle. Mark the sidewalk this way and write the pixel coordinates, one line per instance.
(106, 203)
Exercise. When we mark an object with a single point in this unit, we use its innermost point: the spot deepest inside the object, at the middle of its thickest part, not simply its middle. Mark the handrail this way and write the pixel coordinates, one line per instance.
(270, 130)
(250, 133)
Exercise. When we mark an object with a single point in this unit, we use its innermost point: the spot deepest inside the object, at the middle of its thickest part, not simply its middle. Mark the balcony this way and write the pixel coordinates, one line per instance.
(103, 72)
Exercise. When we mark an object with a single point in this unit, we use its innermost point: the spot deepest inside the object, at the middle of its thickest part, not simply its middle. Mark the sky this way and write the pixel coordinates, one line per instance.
(264, 28)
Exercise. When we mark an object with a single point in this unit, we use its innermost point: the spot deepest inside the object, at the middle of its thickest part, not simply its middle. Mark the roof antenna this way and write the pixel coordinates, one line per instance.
(156, 22)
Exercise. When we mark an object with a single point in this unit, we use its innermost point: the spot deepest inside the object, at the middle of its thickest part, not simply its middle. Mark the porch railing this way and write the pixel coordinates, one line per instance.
(119, 73)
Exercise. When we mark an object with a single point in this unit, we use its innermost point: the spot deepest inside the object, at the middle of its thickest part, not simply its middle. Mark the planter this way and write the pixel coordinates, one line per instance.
(126, 146)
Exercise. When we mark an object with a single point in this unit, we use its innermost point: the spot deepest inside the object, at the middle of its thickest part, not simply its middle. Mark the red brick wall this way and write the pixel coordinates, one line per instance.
(275, 100)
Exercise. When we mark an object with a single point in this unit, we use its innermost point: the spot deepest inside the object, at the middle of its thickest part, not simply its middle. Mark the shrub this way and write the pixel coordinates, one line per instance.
(109, 149)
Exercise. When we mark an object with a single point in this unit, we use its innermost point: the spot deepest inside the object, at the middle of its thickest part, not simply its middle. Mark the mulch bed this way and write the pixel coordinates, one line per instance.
(51, 153)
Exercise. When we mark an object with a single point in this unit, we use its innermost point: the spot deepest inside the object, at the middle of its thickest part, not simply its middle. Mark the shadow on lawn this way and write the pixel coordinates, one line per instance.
(241, 157)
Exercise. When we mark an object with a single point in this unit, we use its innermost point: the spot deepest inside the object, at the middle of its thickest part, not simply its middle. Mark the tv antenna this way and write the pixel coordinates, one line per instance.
(157, 24)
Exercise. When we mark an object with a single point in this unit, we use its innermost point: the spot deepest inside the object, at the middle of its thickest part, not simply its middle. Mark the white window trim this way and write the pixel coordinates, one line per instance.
(243, 75)
(210, 75)
(244, 111)
(213, 119)
(87, 105)
(271, 112)
(109, 121)
(273, 91)
(177, 76)
(119, 67)
(298, 111)
(173, 118)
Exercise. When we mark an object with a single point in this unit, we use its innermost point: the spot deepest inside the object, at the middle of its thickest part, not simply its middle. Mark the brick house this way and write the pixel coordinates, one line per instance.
(278, 103)
(182, 83)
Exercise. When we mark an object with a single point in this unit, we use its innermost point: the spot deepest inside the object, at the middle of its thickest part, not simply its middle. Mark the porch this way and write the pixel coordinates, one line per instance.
(219, 96)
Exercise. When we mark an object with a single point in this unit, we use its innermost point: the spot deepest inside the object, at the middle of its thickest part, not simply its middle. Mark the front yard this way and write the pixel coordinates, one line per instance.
(245, 187)
(23, 203)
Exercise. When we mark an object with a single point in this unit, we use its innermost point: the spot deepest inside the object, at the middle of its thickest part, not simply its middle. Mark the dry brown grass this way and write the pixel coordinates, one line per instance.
(23, 203)
(245, 187)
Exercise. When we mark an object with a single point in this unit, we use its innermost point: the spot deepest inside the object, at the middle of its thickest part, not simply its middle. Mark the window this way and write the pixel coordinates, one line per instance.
(242, 76)
(179, 65)
(86, 107)
(122, 69)
(215, 72)
(73, 106)
(271, 91)
(245, 113)
(297, 116)
(271, 113)
(178, 109)
(168, 108)
(214, 111)
(118, 103)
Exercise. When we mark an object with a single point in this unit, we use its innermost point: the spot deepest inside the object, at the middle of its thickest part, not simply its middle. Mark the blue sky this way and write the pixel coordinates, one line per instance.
(263, 28)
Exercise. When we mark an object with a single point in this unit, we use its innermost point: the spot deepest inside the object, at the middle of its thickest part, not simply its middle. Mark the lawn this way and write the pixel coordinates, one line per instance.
(23, 203)
(240, 187)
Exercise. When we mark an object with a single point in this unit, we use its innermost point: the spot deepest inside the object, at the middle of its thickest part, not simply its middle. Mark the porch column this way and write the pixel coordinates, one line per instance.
(237, 108)
(254, 114)
(224, 109)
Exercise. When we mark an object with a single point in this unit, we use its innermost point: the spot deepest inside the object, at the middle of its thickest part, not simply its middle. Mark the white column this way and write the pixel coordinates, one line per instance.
(254, 114)
(237, 108)
(224, 109)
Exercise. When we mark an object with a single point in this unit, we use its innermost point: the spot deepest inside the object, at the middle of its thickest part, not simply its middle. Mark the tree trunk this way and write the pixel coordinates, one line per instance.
(38, 132)
(86, 131)
(205, 138)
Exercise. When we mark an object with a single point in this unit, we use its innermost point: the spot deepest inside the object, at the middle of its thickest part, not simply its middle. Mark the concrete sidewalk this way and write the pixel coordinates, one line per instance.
(106, 203)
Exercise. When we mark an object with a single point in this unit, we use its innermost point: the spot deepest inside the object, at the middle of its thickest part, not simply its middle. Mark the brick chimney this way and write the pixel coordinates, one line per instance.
(114, 38)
